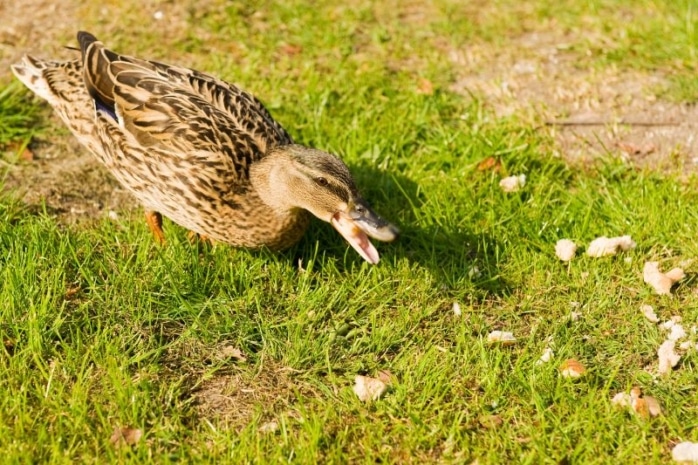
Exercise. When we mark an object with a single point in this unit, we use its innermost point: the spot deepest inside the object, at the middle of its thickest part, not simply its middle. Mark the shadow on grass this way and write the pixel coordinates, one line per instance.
(450, 256)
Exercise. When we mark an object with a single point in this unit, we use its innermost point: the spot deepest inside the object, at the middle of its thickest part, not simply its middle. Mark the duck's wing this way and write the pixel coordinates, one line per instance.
(179, 109)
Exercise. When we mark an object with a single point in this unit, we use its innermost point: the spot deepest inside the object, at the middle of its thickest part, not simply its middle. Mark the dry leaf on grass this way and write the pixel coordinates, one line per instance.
(648, 311)
(501, 337)
(661, 282)
(489, 163)
(227, 352)
(368, 389)
(513, 183)
(565, 249)
(269, 427)
(686, 452)
(26, 155)
(603, 246)
(490, 421)
(425, 87)
(291, 49)
(572, 368)
(668, 358)
(635, 149)
(125, 436)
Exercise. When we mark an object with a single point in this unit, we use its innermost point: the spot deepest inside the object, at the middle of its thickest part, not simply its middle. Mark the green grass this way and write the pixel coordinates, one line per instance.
(20, 117)
(102, 328)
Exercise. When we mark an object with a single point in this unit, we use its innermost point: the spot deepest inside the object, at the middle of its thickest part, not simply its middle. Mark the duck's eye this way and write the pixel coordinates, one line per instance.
(321, 181)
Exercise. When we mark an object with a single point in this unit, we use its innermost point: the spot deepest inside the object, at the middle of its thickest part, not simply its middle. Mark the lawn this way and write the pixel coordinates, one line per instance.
(222, 355)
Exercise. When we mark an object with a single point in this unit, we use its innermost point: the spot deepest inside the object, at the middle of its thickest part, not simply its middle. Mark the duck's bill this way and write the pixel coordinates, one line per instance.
(357, 230)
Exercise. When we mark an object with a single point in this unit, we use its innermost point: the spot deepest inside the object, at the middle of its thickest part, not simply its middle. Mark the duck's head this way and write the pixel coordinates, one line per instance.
(294, 176)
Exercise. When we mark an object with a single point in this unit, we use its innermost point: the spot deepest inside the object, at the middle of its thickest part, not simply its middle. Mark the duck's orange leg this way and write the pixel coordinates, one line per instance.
(154, 220)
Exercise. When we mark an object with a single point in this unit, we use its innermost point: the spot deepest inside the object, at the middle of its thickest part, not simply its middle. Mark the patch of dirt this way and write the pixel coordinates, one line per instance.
(237, 392)
(68, 180)
(235, 399)
(589, 112)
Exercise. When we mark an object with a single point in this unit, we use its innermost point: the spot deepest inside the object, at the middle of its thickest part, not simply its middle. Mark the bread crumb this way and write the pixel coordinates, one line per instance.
(565, 250)
(661, 282)
(513, 183)
(603, 246)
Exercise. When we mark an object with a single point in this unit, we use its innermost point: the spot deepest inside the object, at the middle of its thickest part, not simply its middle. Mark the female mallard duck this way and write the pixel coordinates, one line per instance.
(200, 151)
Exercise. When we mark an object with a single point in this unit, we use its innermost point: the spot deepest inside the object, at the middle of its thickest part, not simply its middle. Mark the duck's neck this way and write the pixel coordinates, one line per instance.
(270, 184)
(269, 181)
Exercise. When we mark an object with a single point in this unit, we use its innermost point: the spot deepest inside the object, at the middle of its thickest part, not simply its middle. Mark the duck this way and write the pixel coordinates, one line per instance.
(201, 151)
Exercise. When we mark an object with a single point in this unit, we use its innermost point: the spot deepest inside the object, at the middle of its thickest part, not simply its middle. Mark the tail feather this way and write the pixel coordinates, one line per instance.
(85, 39)
(31, 72)
(96, 60)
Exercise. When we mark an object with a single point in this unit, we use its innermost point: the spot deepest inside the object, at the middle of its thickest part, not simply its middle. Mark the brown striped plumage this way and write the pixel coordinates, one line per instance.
(200, 151)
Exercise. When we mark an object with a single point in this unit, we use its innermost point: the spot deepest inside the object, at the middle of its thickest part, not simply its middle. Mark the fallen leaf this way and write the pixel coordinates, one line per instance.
(269, 427)
(490, 421)
(668, 358)
(648, 311)
(661, 282)
(71, 291)
(565, 249)
(513, 183)
(125, 436)
(291, 50)
(369, 389)
(489, 163)
(635, 149)
(26, 155)
(572, 368)
(603, 246)
(227, 352)
(685, 452)
(501, 337)
(425, 86)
